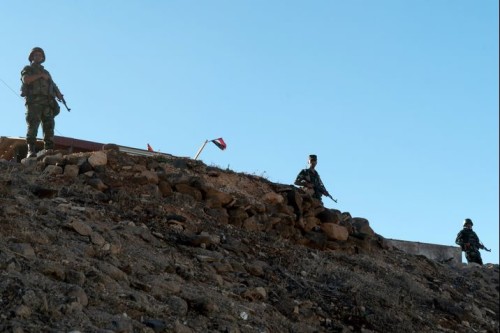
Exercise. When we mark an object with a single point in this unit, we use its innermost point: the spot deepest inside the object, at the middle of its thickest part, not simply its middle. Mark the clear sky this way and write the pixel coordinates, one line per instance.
(398, 98)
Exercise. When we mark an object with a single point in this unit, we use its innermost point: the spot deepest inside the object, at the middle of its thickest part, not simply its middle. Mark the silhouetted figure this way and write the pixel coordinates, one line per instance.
(468, 240)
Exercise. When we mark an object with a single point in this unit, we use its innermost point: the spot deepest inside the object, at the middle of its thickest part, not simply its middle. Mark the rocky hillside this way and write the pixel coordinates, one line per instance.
(109, 242)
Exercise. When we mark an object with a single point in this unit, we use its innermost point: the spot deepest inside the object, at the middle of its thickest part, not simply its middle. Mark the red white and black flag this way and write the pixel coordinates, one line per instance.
(219, 143)
(150, 148)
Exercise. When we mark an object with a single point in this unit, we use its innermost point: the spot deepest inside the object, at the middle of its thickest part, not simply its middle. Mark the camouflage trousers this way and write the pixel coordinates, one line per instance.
(473, 255)
(36, 114)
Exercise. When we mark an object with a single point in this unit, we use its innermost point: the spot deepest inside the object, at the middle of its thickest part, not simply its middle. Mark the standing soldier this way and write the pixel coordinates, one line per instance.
(468, 240)
(40, 93)
(310, 180)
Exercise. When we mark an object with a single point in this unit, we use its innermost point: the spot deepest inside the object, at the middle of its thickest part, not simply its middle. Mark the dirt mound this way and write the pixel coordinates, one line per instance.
(109, 242)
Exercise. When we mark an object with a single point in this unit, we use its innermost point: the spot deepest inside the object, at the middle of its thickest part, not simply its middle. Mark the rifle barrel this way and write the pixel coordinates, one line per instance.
(65, 105)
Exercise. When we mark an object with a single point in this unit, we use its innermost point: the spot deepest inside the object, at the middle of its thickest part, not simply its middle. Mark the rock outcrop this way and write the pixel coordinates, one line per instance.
(109, 242)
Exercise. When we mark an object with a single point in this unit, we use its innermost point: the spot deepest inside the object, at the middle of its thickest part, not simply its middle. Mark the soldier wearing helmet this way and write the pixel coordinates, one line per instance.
(40, 93)
(468, 222)
(469, 242)
(36, 49)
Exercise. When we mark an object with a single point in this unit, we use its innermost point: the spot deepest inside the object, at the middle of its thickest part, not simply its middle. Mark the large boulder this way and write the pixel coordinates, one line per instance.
(334, 231)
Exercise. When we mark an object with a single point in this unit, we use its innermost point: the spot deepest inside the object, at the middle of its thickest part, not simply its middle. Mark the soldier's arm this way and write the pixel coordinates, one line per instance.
(324, 190)
(460, 242)
(322, 187)
(57, 92)
(301, 181)
(30, 78)
(479, 243)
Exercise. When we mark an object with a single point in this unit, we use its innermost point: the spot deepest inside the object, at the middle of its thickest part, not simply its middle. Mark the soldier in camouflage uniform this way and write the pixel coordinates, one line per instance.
(40, 93)
(470, 244)
(310, 180)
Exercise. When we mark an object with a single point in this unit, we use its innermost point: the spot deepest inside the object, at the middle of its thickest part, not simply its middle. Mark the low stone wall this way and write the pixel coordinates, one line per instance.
(441, 253)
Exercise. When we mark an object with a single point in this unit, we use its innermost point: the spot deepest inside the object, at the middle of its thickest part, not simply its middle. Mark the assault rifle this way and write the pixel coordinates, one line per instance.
(475, 247)
(64, 102)
(481, 246)
(58, 92)
(322, 190)
(330, 196)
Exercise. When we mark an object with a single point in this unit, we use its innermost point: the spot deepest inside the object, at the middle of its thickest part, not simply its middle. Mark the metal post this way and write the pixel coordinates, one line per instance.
(201, 148)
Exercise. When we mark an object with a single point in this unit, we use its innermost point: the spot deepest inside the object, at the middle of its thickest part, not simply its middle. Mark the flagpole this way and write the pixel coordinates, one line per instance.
(201, 148)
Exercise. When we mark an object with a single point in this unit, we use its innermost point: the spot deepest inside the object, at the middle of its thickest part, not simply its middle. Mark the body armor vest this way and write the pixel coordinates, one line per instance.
(39, 87)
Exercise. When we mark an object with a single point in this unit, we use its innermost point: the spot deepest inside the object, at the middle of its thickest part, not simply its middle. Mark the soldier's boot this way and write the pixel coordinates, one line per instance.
(48, 150)
(31, 150)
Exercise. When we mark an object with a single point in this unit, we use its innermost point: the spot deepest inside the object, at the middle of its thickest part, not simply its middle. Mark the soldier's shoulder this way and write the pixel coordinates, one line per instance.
(27, 69)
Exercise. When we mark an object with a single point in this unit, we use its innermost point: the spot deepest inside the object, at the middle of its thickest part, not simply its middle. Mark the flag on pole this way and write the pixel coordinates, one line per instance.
(150, 148)
(219, 143)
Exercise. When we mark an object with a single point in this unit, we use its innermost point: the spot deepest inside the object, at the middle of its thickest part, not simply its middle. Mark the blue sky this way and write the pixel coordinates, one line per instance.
(399, 99)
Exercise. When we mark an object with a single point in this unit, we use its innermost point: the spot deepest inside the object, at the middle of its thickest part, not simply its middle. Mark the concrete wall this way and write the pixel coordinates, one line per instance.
(441, 253)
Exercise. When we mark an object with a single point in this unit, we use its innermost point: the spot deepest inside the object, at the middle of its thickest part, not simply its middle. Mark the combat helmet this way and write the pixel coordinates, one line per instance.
(35, 49)
(468, 221)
